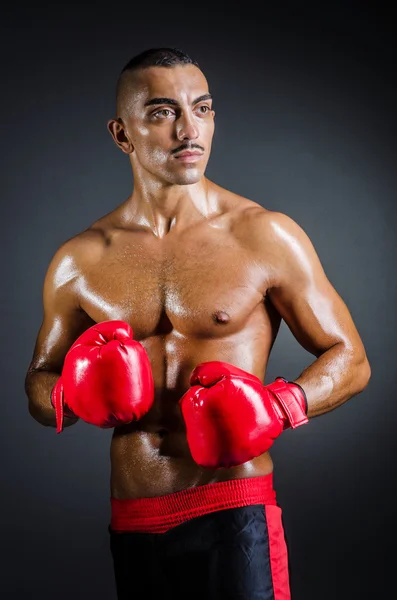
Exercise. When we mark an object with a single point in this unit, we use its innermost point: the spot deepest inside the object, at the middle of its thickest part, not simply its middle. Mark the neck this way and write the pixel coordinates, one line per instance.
(164, 207)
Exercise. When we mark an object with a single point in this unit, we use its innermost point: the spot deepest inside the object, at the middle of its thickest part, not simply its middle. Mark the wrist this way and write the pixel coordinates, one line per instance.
(291, 402)
(303, 397)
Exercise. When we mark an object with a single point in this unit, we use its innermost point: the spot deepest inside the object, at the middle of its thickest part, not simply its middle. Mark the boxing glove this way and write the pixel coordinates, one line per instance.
(106, 378)
(231, 417)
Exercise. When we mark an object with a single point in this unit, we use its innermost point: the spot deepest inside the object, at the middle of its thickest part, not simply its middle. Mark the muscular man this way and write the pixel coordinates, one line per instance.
(159, 320)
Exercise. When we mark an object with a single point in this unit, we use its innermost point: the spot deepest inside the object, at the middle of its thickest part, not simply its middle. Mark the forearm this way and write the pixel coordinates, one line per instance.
(333, 378)
(38, 387)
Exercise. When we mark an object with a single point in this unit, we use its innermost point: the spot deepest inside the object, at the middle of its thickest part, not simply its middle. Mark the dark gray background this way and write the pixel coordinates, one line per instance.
(305, 125)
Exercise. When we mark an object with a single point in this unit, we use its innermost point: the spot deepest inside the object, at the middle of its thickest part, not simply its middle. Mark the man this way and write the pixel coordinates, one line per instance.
(159, 320)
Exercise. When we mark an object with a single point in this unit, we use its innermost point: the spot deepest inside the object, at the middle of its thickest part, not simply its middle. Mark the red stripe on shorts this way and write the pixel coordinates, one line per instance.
(278, 553)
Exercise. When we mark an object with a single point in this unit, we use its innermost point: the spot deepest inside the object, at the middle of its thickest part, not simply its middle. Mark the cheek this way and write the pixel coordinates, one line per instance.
(150, 147)
(155, 155)
(207, 130)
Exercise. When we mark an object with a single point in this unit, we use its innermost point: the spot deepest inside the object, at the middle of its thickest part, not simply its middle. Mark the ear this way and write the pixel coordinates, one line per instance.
(119, 134)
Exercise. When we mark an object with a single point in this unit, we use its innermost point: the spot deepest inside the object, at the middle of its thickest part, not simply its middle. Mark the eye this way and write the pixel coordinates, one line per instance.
(162, 111)
(205, 107)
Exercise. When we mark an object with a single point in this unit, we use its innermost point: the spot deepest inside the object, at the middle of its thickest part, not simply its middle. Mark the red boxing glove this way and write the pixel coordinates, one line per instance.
(231, 417)
(106, 378)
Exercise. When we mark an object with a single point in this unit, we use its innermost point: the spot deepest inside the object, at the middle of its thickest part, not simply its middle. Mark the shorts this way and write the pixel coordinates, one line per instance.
(216, 541)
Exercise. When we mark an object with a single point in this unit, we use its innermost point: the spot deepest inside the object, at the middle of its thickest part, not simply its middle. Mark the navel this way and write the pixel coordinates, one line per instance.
(221, 317)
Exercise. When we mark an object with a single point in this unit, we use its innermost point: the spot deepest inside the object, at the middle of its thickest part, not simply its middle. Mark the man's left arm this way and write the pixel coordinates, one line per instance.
(317, 317)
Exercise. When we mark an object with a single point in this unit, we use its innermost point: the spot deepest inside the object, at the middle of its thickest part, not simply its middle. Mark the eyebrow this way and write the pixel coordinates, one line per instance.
(155, 101)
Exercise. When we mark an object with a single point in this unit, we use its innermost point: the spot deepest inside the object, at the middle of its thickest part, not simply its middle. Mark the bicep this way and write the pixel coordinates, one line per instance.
(304, 297)
(63, 319)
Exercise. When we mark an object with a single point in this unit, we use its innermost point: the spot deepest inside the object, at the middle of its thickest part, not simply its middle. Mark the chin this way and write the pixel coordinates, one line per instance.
(186, 177)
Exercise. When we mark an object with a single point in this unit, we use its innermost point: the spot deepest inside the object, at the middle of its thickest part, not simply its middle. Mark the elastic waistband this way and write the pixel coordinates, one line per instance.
(158, 514)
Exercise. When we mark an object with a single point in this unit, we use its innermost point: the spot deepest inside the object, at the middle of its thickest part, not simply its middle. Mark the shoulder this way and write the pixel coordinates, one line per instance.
(272, 223)
(74, 255)
(258, 224)
(279, 229)
(278, 243)
(252, 216)
(265, 229)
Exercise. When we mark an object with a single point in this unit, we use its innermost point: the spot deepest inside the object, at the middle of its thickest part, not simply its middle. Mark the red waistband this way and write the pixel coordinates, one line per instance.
(158, 514)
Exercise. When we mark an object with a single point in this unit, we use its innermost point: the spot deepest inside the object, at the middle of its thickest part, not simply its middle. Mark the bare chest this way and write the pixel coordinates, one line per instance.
(198, 287)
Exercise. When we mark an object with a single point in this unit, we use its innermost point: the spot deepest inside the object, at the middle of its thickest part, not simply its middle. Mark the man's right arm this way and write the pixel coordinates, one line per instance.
(63, 322)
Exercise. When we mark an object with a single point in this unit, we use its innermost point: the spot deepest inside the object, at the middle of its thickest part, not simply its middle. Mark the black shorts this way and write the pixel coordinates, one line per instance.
(213, 542)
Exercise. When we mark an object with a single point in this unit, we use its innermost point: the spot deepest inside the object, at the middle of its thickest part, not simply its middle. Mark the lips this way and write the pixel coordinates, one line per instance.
(188, 153)
(187, 157)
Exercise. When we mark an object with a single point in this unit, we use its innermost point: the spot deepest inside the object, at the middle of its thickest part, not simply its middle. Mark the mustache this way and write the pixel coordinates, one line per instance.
(187, 147)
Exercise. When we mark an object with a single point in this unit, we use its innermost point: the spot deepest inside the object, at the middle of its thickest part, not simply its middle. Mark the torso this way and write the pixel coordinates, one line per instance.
(190, 297)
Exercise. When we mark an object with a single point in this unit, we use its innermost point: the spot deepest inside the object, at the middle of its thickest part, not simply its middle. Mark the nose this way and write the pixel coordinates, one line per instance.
(186, 127)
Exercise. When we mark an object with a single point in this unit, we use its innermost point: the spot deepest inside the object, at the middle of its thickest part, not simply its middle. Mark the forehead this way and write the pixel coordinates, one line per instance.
(182, 82)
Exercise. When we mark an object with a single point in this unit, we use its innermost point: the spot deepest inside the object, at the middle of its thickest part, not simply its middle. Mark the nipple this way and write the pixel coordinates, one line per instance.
(221, 317)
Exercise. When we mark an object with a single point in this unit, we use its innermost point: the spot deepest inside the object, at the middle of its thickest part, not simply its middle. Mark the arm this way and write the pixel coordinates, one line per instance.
(63, 322)
(317, 317)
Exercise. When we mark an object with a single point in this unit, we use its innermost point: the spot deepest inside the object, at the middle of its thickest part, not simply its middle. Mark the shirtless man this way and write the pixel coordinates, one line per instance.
(199, 278)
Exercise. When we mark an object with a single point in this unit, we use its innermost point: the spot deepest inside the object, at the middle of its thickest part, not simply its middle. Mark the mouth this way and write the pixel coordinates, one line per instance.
(189, 156)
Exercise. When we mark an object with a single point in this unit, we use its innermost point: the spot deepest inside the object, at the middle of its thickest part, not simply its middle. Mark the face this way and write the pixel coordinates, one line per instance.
(170, 114)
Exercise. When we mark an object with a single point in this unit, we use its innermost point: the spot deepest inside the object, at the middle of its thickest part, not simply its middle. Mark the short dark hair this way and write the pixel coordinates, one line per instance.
(154, 57)
(159, 57)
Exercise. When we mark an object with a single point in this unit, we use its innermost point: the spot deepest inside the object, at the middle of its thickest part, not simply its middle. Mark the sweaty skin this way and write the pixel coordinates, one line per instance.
(200, 274)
